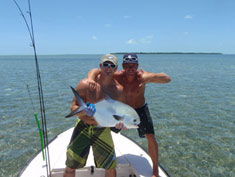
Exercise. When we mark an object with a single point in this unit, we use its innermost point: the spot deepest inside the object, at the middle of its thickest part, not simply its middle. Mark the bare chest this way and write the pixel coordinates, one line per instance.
(115, 92)
(134, 94)
(132, 89)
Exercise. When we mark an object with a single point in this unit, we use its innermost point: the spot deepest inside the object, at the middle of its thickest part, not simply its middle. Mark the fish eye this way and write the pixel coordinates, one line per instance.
(134, 120)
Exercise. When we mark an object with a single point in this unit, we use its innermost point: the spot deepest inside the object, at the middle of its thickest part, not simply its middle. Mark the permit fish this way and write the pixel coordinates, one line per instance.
(109, 112)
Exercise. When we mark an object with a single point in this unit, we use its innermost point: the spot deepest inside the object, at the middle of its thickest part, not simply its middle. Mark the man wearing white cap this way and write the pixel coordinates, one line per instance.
(86, 133)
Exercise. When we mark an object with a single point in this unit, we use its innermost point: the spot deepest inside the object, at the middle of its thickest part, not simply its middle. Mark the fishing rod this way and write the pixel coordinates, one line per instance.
(40, 91)
(37, 122)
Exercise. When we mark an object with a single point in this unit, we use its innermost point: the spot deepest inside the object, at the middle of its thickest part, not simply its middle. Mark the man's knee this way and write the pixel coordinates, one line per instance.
(69, 172)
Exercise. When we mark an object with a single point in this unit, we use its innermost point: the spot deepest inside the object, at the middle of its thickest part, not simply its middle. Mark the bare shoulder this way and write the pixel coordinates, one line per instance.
(118, 75)
(93, 73)
(96, 70)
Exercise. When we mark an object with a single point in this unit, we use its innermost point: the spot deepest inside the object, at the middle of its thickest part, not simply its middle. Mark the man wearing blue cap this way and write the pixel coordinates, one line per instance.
(133, 82)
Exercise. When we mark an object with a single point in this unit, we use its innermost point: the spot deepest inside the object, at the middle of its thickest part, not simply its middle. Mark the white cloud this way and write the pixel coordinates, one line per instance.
(94, 37)
(126, 17)
(149, 37)
(144, 40)
(107, 25)
(131, 41)
(188, 17)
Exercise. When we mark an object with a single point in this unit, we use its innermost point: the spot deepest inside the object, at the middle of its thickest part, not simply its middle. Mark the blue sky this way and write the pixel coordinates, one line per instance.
(105, 26)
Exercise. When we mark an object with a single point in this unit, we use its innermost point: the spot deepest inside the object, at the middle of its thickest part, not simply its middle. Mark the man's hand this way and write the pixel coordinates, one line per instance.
(120, 126)
(90, 109)
(92, 85)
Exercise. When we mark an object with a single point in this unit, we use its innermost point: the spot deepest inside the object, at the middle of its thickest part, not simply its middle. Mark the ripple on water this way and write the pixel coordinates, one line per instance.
(193, 115)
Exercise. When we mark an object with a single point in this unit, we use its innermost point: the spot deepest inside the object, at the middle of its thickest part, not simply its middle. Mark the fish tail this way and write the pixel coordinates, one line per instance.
(78, 98)
(81, 103)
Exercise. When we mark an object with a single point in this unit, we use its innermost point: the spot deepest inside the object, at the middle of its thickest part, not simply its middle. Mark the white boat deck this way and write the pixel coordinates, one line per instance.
(131, 159)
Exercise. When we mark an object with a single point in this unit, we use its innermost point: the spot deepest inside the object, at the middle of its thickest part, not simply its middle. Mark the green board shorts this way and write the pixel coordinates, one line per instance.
(100, 139)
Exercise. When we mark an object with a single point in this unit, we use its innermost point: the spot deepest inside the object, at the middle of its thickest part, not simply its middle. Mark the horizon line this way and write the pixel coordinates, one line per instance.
(217, 53)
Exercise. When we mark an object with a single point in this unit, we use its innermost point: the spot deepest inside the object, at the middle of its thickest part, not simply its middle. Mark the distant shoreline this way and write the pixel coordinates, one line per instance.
(169, 53)
(192, 53)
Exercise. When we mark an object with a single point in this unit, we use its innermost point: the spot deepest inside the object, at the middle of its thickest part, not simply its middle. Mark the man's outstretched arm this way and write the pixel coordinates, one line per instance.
(148, 77)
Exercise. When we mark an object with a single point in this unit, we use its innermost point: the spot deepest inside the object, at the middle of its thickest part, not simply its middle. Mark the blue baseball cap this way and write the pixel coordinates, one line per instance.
(130, 58)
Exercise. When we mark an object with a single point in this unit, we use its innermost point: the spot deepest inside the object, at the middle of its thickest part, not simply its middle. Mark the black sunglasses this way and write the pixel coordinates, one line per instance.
(108, 65)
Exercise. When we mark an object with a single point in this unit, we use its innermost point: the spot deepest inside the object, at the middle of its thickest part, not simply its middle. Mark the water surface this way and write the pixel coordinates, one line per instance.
(193, 115)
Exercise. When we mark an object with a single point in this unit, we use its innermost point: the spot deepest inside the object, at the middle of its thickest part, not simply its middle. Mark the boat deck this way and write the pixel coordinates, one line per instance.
(132, 159)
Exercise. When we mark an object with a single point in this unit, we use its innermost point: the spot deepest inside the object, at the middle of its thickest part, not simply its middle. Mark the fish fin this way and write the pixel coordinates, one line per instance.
(118, 118)
(107, 97)
(76, 111)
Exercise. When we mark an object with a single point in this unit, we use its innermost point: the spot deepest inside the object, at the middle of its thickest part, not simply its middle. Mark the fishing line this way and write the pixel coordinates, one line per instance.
(31, 100)
(37, 122)
(40, 91)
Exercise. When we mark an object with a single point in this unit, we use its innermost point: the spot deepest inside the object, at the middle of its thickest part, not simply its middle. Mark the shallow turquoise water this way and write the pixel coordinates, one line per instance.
(194, 115)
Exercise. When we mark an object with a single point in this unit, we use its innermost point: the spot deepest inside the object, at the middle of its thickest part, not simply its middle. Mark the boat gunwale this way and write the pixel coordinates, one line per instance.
(147, 153)
(36, 154)
(55, 137)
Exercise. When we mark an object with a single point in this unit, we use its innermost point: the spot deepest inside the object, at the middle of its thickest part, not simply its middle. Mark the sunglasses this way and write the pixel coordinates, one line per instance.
(130, 65)
(130, 59)
(108, 65)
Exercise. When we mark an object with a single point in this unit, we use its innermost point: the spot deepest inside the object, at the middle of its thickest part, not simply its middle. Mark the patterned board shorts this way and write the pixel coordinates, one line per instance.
(100, 139)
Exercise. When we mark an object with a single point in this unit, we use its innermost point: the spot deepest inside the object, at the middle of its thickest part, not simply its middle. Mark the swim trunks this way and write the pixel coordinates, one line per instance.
(100, 139)
(146, 123)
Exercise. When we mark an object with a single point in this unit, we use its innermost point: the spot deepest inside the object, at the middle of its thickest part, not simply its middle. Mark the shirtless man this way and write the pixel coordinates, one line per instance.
(86, 133)
(133, 82)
